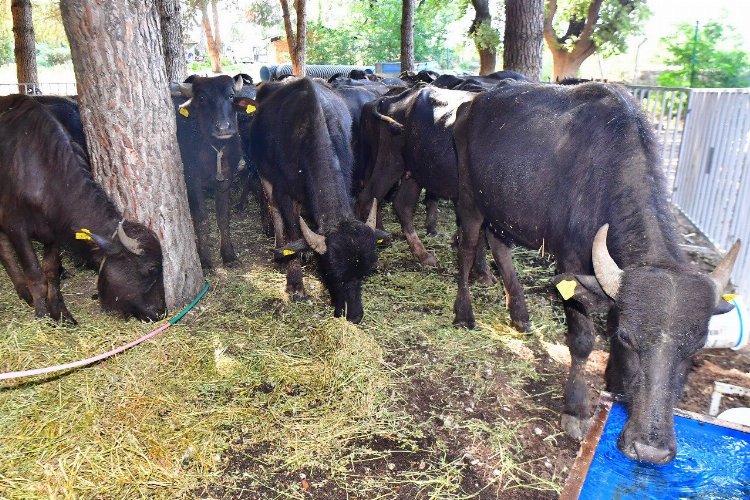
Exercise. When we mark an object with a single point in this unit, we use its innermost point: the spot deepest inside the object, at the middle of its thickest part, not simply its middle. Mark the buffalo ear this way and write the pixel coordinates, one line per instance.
(290, 250)
(382, 238)
(723, 307)
(245, 105)
(584, 289)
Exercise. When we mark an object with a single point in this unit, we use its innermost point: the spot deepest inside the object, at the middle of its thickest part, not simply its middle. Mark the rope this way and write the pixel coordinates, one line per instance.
(94, 359)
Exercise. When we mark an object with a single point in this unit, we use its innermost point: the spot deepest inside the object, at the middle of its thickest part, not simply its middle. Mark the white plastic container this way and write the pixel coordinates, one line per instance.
(731, 329)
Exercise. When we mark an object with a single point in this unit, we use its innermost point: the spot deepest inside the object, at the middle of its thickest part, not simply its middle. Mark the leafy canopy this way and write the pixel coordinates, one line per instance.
(719, 59)
(372, 33)
(618, 20)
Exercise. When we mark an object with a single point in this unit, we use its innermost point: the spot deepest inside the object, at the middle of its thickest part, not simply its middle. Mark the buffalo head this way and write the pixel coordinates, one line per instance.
(658, 319)
(131, 281)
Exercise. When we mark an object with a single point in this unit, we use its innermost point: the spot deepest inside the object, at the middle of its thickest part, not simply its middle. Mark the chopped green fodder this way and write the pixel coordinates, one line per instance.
(250, 392)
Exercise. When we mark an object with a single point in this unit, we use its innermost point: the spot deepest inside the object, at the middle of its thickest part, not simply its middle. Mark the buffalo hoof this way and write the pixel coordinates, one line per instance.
(298, 297)
(574, 426)
(429, 260)
(469, 324)
(232, 264)
(486, 279)
(521, 325)
(432, 233)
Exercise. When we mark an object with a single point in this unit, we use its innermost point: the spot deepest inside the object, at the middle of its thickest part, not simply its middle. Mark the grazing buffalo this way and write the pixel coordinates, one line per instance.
(412, 133)
(47, 194)
(65, 110)
(301, 142)
(576, 170)
(211, 151)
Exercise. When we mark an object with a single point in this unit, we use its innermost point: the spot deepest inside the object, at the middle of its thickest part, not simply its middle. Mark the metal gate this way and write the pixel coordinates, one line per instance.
(705, 141)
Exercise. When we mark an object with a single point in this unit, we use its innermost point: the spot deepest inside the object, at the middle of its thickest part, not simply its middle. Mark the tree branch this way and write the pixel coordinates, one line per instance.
(549, 31)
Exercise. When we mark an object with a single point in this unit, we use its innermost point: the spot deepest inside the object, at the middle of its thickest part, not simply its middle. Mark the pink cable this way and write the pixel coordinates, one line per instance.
(83, 362)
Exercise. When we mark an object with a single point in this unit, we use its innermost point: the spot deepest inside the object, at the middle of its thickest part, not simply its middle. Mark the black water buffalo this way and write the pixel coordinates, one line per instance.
(412, 133)
(301, 142)
(576, 170)
(211, 151)
(47, 194)
(66, 111)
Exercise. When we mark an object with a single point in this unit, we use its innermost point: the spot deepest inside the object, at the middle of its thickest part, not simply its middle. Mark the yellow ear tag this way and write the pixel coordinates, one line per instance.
(83, 234)
(567, 288)
(250, 109)
(729, 297)
(184, 112)
(286, 252)
(379, 241)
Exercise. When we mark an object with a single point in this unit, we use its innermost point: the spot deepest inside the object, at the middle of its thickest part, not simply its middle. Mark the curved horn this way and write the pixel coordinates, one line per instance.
(373, 217)
(607, 272)
(186, 103)
(238, 83)
(721, 274)
(316, 241)
(186, 89)
(131, 244)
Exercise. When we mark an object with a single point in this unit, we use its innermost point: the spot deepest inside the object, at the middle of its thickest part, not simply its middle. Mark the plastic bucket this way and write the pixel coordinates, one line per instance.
(730, 329)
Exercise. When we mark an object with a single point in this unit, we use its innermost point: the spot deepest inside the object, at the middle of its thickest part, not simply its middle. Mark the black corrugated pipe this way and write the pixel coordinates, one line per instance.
(274, 71)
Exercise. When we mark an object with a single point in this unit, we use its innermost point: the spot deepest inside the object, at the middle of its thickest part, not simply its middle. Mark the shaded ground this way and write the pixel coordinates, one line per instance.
(255, 397)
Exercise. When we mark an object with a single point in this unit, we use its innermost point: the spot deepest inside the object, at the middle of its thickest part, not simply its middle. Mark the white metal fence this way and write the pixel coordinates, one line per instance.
(705, 140)
(44, 88)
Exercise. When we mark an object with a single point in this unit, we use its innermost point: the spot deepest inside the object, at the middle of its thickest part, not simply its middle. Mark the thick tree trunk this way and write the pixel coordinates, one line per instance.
(522, 47)
(25, 49)
(487, 54)
(171, 32)
(213, 51)
(217, 33)
(567, 63)
(407, 36)
(129, 120)
(297, 43)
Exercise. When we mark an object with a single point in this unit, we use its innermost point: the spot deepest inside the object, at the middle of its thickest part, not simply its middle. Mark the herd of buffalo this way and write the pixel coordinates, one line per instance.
(573, 168)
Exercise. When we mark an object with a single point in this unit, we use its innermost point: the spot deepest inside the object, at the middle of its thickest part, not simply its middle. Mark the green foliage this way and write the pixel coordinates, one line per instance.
(618, 20)
(51, 56)
(264, 13)
(719, 60)
(6, 43)
(486, 37)
(373, 33)
(48, 26)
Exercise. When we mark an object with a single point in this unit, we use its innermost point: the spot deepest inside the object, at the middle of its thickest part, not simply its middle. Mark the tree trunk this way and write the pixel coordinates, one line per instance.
(522, 47)
(487, 53)
(407, 35)
(213, 51)
(171, 32)
(129, 121)
(567, 63)
(297, 43)
(217, 33)
(25, 49)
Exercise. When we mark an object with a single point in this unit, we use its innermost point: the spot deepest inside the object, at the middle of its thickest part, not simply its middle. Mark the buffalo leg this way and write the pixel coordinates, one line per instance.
(10, 263)
(55, 303)
(580, 338)
(200, 223)
(404, 204)
(431, 205)
(295, 286)
(515, 299)
(35, 280)
(480, 272)
(471, 226)
(228, 256)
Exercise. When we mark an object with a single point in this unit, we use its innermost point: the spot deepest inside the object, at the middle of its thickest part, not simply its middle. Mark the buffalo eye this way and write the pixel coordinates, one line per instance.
(231, 96)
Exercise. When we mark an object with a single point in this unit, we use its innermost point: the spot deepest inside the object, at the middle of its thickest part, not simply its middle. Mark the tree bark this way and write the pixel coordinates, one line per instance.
(213, 51)
(25, 48)
(217, 33)
(407, 35)
(297, 42)
(171, 32)
(522, 47)
(129, 120)
(487, 54)
(566, 63)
